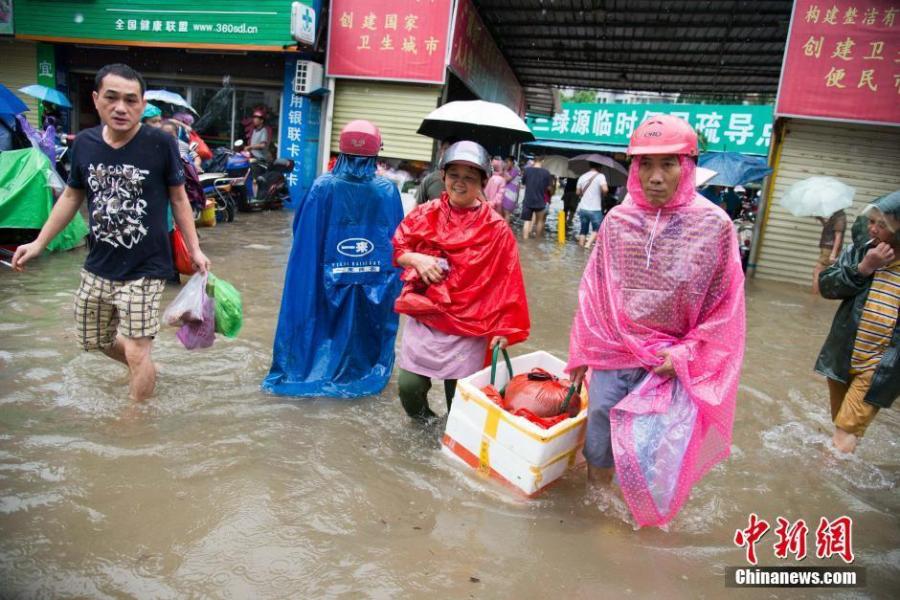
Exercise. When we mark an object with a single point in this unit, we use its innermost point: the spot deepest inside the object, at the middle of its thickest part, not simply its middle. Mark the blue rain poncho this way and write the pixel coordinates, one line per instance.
(336, 329)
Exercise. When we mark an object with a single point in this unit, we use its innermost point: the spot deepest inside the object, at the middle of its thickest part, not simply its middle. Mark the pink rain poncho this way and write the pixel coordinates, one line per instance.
(670, 280)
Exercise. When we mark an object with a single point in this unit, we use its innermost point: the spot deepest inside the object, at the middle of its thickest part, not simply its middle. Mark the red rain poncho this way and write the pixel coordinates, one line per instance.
(665, 279)
(483, 294)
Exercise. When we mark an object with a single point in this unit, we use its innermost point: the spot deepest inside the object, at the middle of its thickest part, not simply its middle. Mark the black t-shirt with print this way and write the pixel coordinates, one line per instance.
(127, 191)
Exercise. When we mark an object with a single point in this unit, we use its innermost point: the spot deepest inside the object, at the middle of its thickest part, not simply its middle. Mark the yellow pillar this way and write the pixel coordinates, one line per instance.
(561, 227)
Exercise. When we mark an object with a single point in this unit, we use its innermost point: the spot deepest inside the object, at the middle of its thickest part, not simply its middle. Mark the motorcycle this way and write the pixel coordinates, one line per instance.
(254, 184)
(63, 158)
(743, 228)
(271, 185)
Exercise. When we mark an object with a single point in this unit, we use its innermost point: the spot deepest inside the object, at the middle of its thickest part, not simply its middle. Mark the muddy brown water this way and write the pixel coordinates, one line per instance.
(215, 489)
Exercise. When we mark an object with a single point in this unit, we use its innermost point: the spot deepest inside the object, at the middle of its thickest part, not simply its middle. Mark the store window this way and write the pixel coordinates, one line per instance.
(223, 112)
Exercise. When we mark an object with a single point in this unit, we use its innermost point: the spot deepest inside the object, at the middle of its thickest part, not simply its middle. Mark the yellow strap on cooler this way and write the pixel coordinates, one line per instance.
(484, 457)
(491, 423)
(538, 476)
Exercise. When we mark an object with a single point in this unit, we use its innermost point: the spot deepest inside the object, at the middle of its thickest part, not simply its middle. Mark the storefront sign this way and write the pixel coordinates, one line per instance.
(46, 71)
(733, 128)
(476, 60)
(298, 137)
(842, 62)
(6, 17)
(261, 25)
(401, 40)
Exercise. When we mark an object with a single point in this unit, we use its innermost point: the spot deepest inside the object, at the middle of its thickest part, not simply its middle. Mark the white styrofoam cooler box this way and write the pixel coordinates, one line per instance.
(508, 447)
(465, 442)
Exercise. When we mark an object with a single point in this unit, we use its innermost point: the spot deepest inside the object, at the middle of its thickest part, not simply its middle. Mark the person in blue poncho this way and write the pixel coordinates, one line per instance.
(336, 330)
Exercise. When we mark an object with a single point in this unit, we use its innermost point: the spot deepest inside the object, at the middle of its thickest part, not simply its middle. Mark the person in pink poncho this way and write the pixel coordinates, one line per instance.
(661, 299)
(496, 186)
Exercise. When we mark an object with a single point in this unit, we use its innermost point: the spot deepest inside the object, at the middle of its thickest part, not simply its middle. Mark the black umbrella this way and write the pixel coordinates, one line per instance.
(615, 173)
(488, 123)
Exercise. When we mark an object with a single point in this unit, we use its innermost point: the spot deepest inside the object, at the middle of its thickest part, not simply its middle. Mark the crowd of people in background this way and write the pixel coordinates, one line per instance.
(525, 191)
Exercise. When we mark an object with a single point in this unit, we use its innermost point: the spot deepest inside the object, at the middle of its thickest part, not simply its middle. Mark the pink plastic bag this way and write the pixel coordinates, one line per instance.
(653, 429)
(200, 334)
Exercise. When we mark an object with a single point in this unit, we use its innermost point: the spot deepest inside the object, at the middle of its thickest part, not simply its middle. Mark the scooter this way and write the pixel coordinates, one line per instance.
(218, 187)
(271, 185)
(743, 228)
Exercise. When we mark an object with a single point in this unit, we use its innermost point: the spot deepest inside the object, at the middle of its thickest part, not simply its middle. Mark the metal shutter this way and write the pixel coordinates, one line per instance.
(19, 70)
(396, 108)
(866, 157)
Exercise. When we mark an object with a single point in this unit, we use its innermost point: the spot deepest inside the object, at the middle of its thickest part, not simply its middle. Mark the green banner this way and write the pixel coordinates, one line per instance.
(261, 23)
(725, 127)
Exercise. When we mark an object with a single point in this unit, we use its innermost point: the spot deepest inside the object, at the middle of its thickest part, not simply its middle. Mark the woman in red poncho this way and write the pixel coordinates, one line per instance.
(463, 289)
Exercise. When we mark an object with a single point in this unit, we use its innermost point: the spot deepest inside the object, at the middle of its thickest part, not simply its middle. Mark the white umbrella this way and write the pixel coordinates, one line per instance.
(702, 175)
(169, 97)
(488, 123)
(558, 165)
(817, 197)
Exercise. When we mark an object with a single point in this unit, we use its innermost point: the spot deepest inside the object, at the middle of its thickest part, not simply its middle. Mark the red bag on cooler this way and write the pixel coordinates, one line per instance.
(540, 393)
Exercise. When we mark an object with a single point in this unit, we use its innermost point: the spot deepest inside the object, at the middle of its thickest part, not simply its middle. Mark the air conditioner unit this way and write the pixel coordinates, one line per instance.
(307, 77)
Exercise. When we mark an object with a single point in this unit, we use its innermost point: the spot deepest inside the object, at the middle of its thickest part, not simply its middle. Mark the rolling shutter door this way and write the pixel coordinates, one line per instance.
(396, 108)
(866, 157)
(19, 70)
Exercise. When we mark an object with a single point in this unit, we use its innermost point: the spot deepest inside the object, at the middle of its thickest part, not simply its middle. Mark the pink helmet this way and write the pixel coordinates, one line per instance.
(663, 134)
(361, 138)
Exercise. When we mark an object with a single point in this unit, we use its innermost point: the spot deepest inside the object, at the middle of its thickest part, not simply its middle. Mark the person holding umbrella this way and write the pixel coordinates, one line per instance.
(830, 244)
(824, 198)
(463, 289)
(861, 356)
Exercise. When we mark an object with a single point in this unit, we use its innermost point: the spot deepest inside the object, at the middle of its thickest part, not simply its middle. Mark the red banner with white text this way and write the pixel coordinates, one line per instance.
(842, 62)
(478, 62)
(402, 40)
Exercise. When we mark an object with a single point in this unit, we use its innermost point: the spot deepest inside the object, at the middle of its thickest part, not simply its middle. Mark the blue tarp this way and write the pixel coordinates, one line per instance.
(336, 330)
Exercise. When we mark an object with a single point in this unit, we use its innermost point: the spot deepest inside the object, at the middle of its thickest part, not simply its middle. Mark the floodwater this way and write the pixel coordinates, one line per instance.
(217, 490)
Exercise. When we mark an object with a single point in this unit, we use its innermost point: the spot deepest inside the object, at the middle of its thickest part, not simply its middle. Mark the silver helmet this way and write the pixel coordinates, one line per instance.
(468, 153)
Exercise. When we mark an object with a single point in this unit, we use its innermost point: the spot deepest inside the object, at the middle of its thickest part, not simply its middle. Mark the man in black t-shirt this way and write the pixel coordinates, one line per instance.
(130, 174)
(539, 184)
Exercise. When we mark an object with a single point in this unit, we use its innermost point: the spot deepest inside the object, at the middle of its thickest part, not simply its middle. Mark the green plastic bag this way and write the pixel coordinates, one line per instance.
(229, 308)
